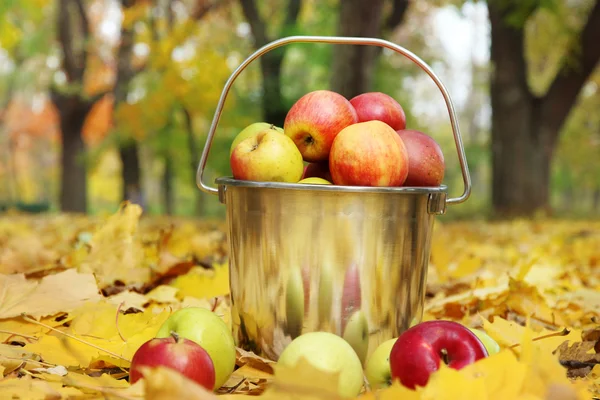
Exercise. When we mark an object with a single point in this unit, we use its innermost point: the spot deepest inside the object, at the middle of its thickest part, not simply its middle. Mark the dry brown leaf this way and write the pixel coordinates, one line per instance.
(61, 292)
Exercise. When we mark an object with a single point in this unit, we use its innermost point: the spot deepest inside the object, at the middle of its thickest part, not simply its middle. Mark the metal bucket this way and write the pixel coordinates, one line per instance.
(343, 259)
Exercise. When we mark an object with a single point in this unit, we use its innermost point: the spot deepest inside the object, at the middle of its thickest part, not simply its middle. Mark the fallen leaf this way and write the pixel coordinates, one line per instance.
(163, 383)
(64, 291)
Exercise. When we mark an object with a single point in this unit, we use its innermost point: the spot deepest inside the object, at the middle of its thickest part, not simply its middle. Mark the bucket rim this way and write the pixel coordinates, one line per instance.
(230, 181)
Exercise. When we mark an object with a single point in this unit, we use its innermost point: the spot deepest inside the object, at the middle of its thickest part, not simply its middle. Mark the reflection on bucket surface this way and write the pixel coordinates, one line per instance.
(304, 259)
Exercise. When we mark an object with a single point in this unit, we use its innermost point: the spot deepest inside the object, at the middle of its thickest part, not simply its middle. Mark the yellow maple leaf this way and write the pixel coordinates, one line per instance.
(63, 291)
(161, 383)
(448, 383)
(398, 391)
(502, 375)
(203, 283)
(29, 388)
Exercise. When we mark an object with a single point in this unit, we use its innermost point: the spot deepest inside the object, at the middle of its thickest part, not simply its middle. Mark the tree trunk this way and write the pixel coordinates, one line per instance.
(352, 66)
(130, 173)
(168, 185)
(194, 157)
(525, 128)
(73, 193)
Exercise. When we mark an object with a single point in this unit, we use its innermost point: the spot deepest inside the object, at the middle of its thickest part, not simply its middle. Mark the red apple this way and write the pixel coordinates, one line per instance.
(419, 351)
(315, 120)
(368, 154)
(425, 159)
(180, 354)
(379, 106)
(317, 170)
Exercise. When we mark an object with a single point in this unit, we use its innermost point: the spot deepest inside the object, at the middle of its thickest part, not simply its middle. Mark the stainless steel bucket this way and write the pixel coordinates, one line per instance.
(344, 259)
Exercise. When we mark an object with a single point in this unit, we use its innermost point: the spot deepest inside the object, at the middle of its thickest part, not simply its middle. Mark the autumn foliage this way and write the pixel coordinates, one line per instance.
(79, 295)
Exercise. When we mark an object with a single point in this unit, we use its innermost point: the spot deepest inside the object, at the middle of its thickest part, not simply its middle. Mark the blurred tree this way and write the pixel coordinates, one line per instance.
(353, 66)
(274, 110)
(525, 124)
(72, 101)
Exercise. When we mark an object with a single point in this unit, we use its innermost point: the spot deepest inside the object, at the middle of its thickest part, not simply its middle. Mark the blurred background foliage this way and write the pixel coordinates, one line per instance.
(106, 100)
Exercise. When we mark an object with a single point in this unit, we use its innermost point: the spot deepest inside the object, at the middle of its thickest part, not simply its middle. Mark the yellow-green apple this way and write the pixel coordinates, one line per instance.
(208, 330)
(377, 368)
(368, 154)
(252, 130)
(315, 181)
(425, 159)
(317, 170)
(356, 333)
(268, 156)
(315, 119)
(182, 355)
(381, 107)
(330, 353)
(490, 344)
(420, 350)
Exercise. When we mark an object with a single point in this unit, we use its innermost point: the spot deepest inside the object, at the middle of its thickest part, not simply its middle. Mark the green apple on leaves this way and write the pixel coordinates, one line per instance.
(252, 130)
(377, 369)
(356, 333)
(208, 330)
(490, 344)
(330, 353)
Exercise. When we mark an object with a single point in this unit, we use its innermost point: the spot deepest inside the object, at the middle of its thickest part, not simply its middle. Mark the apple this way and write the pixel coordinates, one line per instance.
(425, 159)
(325, 291)
(295, 303)
(419, 351)
(315, 119)
(329, 353)
(368, 154)
(268, 156)
(490, 344)
(377, 368)
(252, 130)
(182, 355)
(317, 170)
(208, 330)
(381, 107)
(356, 333)
(315, 181)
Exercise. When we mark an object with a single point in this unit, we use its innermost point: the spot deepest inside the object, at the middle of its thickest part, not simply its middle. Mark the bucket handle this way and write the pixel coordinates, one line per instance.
(339, 40)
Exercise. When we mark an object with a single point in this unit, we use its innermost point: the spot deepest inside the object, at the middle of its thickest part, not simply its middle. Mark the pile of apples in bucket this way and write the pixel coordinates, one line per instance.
(358, 142)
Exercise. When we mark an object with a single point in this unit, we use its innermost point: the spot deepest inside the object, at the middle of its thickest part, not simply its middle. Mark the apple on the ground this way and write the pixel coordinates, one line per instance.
(315, 119)
(208, 330)
(377, 368)
(252, 130)
(425, 159)
(317, 170)
(182, 355)
(356, 333)
(419, 351)
(267, 156)
(379, 106)
(330, 353)
(368, 154)
(490, 344)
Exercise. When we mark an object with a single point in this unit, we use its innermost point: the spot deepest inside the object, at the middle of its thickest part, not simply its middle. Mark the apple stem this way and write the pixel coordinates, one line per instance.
(445, 358)
(564, 332)
(175, 336)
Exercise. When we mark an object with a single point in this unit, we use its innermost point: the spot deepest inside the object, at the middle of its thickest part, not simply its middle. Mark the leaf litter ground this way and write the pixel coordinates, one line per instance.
(79, 295)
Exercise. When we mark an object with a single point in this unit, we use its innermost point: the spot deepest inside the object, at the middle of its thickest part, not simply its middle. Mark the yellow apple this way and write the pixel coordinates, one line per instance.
(330, 353)
(490, 344)
(267, 156)
(377, 369)
(356, 333)
(252, 130)
(315, 180)
(208, 330)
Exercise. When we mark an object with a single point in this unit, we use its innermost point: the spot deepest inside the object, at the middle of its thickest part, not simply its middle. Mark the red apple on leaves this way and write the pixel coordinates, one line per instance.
(381, 107)
(177, 353)
(314, 121)
(420, 350)
(368, 154)
(425, 158)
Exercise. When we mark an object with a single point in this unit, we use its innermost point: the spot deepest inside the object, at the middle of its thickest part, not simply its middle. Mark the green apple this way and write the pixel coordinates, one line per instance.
(490, 344)
(330, 353)
(208, 330)
(315, 180)
(377, 369)
(356, 333)
(294, 303)
(252, 130)
(267, 156)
